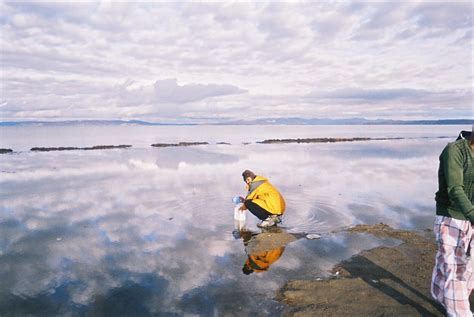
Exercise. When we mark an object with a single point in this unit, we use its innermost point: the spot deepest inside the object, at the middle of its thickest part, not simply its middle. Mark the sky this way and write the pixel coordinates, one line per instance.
(219, 61)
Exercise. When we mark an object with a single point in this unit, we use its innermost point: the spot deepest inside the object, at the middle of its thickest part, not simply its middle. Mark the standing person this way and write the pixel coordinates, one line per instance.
(263, 200)
(453, 278)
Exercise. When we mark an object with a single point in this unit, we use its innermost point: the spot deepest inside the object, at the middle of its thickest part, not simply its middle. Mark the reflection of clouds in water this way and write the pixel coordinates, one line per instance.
(122, 217)
(176, 157)
(325, 253)
(345, 179)
(228, 297)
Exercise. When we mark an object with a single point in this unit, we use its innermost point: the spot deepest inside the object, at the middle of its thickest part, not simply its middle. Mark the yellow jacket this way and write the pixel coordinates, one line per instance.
(266, 196)
(260, 262)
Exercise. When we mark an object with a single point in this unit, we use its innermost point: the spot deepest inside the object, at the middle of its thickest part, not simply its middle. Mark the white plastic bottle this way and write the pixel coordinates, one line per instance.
(239, 215)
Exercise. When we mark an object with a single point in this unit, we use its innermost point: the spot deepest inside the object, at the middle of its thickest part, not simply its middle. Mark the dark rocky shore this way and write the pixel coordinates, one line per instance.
(179, 144)
(384, 281)
(97, 147)
(322, 140)
(182, 144)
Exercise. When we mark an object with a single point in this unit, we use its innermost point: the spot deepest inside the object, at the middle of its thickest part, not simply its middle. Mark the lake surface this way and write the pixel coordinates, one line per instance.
(150, 231)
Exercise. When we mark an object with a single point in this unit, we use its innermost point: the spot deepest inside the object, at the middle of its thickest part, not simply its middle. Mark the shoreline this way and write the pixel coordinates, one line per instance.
(201, 143)
(383, 281)
(337, 140)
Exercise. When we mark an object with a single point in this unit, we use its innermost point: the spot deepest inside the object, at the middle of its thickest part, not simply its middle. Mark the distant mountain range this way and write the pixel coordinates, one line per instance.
(270, 121)
(351, 121)
(84, 122)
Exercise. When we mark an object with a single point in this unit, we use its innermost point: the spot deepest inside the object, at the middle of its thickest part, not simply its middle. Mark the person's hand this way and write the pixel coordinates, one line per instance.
(242, 208)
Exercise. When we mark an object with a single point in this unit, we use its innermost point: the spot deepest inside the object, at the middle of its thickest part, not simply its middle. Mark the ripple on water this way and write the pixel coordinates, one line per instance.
(314, 214)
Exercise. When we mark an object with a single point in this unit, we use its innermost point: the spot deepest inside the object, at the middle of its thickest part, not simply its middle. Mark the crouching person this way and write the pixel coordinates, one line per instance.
(263, 200)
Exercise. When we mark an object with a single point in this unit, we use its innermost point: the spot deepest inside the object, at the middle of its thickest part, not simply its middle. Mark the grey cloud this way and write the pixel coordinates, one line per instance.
(382, 95)
(275, 29)
(52, 61)
(374, 94)
(17, 86)
(50, 97)
(333, 23)
(56, 10)
(407, 33)
(232, 13)
(415, 19)
(375, 19)
(384, 15)
(328, 27)
(277, 25)
(266, 48)
(169, 95)
(168, 91)
(354, 7)
(448, 15)
(466, 38)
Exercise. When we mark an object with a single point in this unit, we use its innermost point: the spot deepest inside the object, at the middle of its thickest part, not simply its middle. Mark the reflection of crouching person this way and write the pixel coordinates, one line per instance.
(259, 257)
(453, 279)
(263, 199)
(261, 261)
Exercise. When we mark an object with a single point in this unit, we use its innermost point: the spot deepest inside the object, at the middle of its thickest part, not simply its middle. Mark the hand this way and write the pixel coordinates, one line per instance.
(242, 208)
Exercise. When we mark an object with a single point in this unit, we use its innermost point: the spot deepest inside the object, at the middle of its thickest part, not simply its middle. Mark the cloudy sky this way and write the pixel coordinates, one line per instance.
(181, 62)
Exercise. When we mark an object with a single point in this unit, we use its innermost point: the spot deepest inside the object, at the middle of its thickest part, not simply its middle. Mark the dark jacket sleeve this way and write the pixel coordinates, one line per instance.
(453, 171)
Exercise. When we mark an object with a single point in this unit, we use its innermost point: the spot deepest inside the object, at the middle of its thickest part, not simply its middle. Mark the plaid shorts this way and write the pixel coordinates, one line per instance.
(453, 280)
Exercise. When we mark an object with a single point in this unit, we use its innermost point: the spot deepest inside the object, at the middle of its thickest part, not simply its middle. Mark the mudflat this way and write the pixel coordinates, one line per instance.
(384, 281)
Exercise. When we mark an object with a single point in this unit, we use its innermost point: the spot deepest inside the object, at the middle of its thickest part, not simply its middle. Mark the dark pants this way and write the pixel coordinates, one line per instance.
(256, 210)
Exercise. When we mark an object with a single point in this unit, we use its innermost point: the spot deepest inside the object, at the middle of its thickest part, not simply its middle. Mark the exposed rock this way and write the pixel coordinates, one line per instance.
(106, 147)
(179, 144)
(47, 149)
(311, 140)
(269, 240)
(384, 281)
(321, 140)
(96, 147)
(4, 151)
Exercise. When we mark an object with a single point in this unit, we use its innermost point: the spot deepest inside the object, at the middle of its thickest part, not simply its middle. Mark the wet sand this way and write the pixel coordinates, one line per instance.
(385, 281)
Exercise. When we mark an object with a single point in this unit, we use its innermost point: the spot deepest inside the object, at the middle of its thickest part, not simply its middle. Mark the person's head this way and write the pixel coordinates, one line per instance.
(248, 176)
(472, 134)
(247, 269)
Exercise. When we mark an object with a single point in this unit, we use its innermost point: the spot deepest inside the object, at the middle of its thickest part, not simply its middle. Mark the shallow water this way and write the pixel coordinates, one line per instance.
(146, 230)
(22, 138)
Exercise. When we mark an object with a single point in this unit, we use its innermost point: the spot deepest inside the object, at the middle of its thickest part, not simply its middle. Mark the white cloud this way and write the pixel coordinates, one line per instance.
(168, 91)
(70, 60)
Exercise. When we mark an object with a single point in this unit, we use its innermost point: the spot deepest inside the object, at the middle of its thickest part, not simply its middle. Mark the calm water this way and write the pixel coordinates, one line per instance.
(149, 231)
